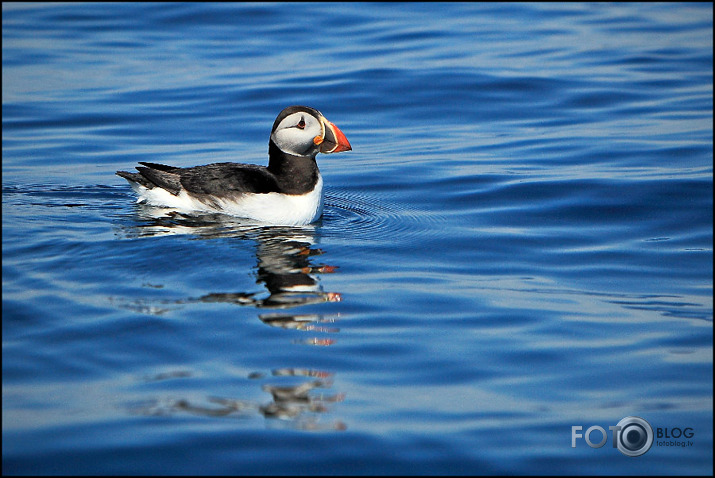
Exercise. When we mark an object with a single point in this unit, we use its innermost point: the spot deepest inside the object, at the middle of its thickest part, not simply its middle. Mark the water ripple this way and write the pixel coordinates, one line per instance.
(375, 218)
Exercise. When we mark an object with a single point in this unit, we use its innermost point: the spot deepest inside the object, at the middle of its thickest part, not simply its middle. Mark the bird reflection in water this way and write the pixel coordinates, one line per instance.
(284, 256)
(294, 405)
(285, 266)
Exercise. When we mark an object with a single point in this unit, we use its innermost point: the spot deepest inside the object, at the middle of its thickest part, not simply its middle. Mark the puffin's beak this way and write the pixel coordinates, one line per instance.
(333, 140)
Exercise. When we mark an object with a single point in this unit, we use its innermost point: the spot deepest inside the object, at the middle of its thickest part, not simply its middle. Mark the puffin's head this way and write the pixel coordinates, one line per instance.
(304, 131)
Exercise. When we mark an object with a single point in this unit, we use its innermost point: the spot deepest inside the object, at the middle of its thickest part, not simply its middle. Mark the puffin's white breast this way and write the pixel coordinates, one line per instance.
(273, 208)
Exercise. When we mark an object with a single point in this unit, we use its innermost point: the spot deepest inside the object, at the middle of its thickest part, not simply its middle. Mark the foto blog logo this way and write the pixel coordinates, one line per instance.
(633, 436)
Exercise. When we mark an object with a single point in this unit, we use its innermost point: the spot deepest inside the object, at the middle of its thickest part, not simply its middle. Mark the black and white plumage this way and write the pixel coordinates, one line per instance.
(289, 191)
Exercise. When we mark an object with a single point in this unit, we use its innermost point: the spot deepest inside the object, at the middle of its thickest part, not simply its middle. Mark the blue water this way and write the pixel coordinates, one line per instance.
(520, 241)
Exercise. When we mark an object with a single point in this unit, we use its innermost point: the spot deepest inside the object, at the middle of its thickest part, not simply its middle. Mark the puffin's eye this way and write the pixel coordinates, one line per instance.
(301, 124)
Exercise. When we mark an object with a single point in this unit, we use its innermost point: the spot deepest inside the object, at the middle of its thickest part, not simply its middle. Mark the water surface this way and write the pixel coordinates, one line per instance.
(520, 241)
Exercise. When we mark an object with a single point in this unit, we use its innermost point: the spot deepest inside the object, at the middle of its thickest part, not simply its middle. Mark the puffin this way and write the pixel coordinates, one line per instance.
(287, 192)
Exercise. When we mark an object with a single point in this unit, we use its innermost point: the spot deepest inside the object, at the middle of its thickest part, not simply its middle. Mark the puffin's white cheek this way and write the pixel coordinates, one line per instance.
(295, 140)
(288, 140)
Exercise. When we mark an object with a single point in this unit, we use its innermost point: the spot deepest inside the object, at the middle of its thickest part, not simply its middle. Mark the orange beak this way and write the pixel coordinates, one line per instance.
(334, 141)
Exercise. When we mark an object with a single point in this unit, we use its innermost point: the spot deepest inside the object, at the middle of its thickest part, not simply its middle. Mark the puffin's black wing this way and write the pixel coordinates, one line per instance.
(153, 175)
(166, 177)
(222, 179)
(135, 178)
(218, 179)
